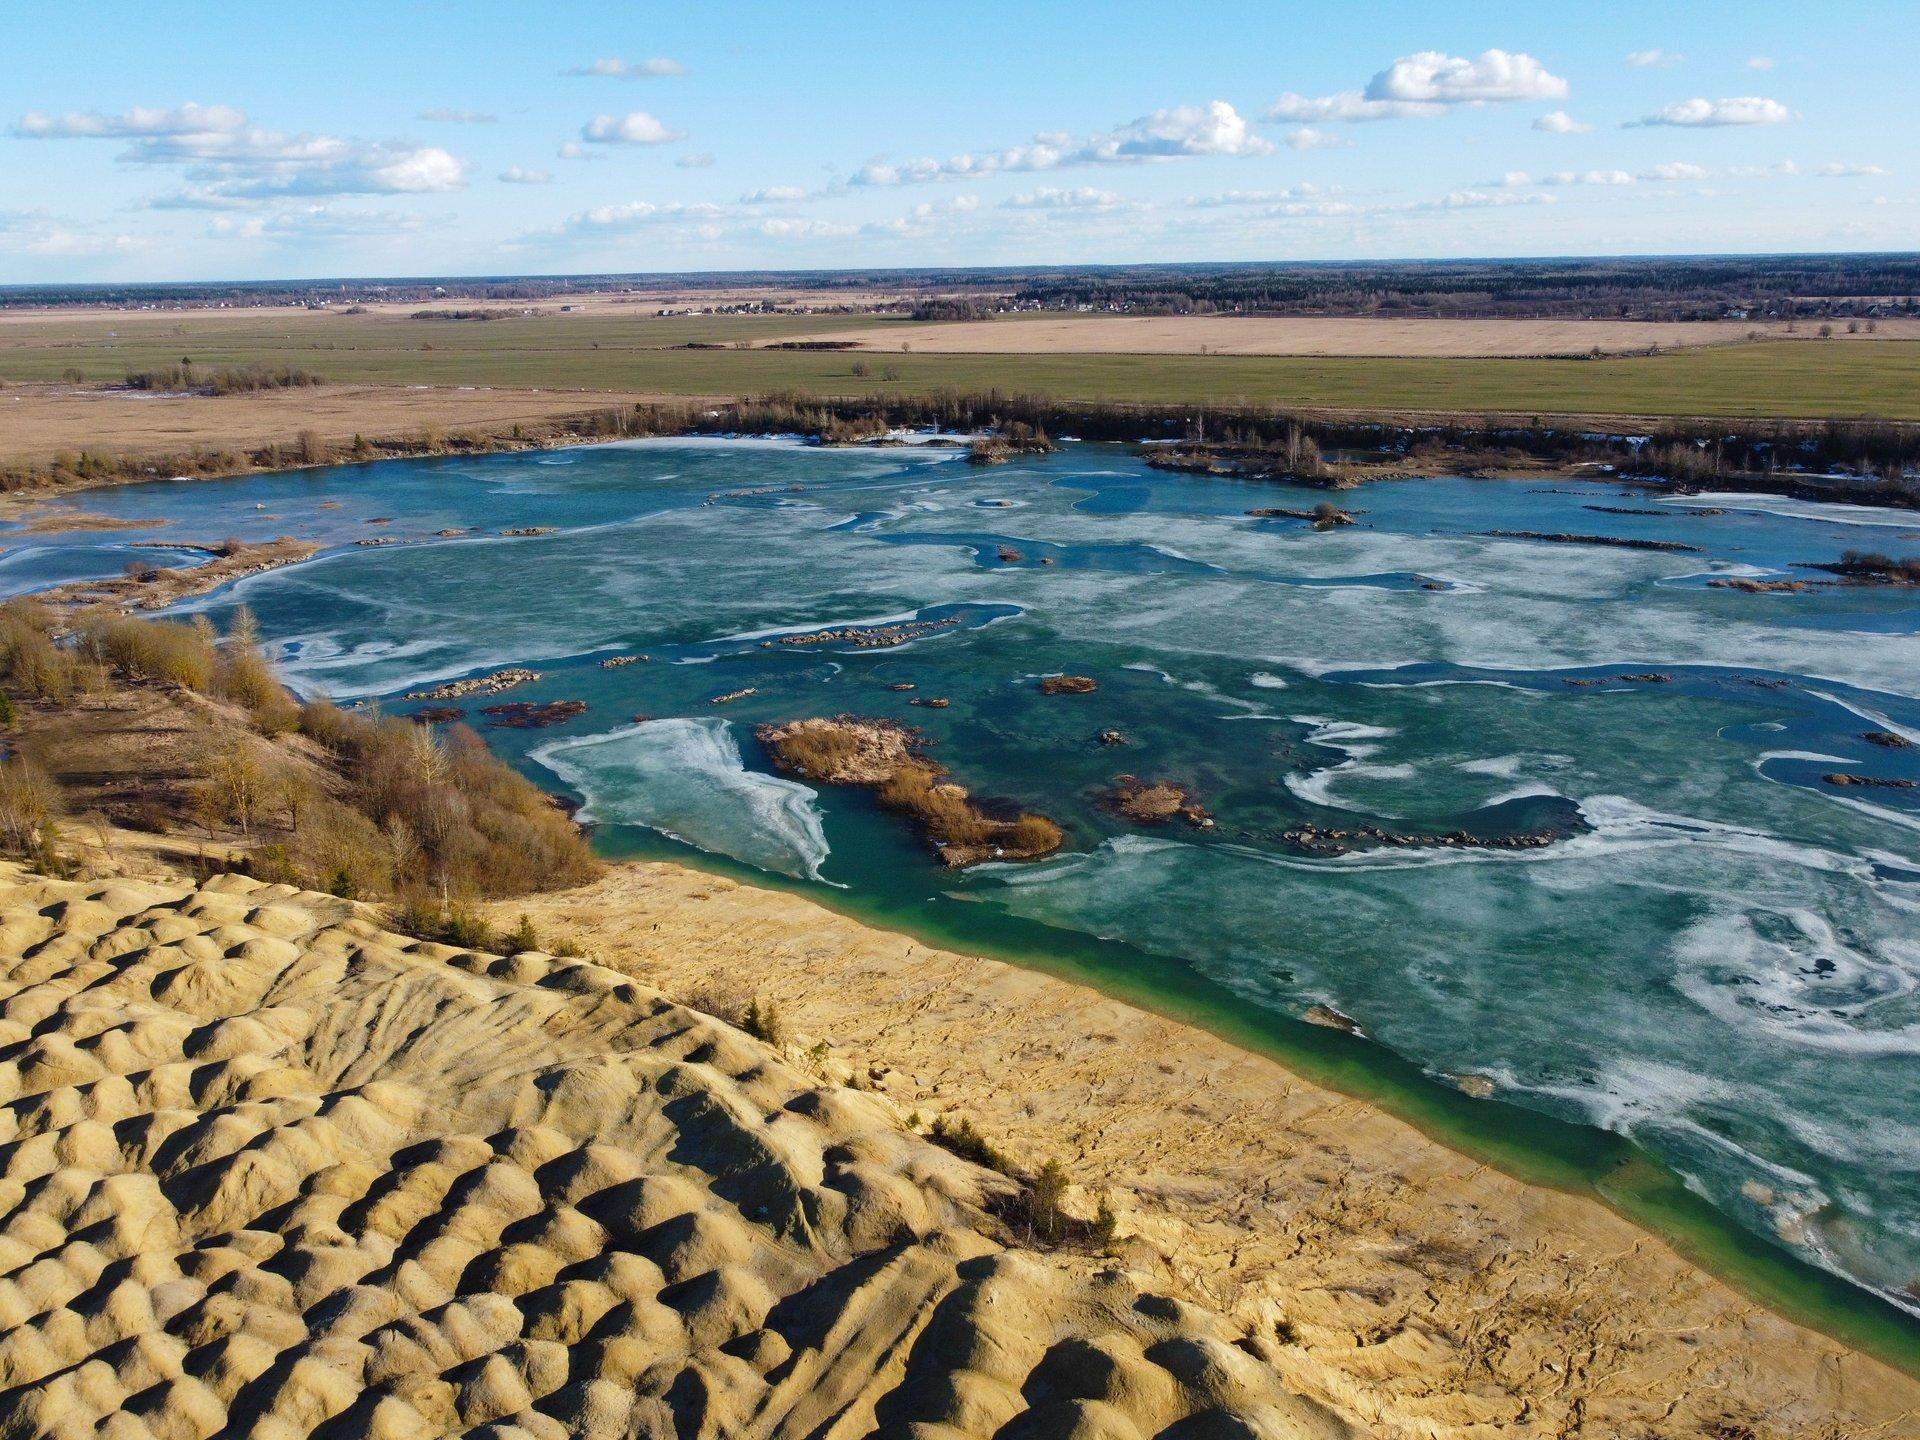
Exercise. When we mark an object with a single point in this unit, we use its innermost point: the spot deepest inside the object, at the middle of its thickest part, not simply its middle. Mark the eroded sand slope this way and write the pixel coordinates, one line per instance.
(270, 1171)
(1426, 1294)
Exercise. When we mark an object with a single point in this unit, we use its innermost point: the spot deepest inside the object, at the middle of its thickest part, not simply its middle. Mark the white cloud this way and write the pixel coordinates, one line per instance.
(520, 175)
(198, 198)
(1653, 59)
(1481, 200)
(1348, 107)
(1848, 170)
(695, 160)
(1738, 110)
(1308, 138)
(315, 222)
(33, 232)
(265, 164)
(1304, 191)
(1760, 62)
(140, 123)
(1215, 128)
(1673, 172)
(234, 160)
(1587, 177)
(1427, 84)
(805, 229)
(1183, 132)
(1559, 122)
(1085, 197)
(444, 116)
(609, 68)
(636, 127)
(1676, 171)
(1436, 78)
(633, 216)
(923, 217)
(774, 195)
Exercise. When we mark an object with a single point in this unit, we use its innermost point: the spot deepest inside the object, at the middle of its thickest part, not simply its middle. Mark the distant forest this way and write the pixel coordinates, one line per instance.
(1706, 288)
(1758, 287)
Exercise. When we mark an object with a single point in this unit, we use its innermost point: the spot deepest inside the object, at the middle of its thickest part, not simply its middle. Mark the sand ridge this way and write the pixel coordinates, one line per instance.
(269, 1170)
(1419, 1291)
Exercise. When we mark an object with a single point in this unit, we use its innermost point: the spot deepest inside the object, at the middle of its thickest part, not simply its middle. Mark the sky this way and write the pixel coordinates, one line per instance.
(195, 141)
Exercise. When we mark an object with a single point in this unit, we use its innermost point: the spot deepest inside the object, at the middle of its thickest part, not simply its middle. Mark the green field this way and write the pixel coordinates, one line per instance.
(1789, 378)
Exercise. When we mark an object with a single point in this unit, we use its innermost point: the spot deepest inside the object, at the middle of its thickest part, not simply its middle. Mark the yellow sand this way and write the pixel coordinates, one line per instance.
(268, 1171)
(1423, 1294)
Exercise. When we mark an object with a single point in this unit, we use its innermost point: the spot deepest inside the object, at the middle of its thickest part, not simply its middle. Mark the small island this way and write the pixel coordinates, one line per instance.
(889, 759)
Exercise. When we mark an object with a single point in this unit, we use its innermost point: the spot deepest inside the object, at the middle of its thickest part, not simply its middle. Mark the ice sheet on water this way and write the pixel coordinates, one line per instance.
(686, 779)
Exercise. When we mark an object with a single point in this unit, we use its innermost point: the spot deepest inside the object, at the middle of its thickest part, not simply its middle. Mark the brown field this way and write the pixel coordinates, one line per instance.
(1314, 335)
(598, 303)
(38, 422)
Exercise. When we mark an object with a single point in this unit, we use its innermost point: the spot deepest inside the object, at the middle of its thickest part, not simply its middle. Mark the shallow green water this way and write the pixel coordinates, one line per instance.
(1712, 952)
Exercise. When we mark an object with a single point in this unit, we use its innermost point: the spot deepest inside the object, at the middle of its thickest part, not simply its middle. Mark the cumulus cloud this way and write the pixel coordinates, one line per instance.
(1308, 138)
(1847, 170)
(1426, 84)
(309, 223)
(774, 195)
(1481, 200)
(1048, 197)
(923, 217)
(1212, 129)
(1655, 58)
(804, 229)
(1182, 132)
(636, 127)
(1587, 177)
(1435, 78)
(444, 116)
(354, 169)
(1703, 113)
(634, 215)
(1760, 62)
(610, 68)
(520, 175)
(1305, 191)
(1348, 107)
(1675, 172)
(1559, 122)
(140, 123)
(34, 232)
(229, 158)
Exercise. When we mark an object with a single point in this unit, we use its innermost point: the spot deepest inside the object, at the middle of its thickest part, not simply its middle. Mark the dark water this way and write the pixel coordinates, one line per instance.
(1717, 954)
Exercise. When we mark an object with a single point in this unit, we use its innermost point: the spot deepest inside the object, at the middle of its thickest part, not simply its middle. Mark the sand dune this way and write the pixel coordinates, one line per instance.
(1419, 1291)
(267, 1170)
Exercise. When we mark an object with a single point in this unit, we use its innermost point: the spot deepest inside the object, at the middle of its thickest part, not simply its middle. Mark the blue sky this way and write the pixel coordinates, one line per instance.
(195, 140)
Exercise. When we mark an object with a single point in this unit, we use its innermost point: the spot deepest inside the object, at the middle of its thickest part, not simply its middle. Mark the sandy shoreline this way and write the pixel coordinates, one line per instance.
(1424, 1293)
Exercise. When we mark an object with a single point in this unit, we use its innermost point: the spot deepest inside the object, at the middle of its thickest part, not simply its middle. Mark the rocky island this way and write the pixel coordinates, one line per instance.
(889, 759)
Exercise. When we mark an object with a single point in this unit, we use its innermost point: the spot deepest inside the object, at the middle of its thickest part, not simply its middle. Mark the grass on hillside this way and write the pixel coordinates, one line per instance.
(1789, 379)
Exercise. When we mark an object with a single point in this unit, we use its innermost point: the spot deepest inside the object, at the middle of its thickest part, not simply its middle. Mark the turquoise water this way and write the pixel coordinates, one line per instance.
(1716, 954)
